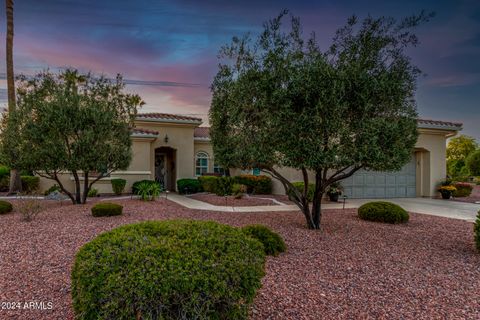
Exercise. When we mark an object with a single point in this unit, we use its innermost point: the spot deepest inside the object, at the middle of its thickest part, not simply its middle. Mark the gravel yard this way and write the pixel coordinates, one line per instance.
(231, 201)
(352, 269)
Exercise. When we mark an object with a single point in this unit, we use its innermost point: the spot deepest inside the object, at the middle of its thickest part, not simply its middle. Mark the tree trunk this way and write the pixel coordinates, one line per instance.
(85, 187)
(317, 200)
(78, 198)
(15, 182)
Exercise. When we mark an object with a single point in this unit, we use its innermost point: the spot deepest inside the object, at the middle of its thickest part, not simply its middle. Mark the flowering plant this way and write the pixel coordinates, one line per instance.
(447, 189)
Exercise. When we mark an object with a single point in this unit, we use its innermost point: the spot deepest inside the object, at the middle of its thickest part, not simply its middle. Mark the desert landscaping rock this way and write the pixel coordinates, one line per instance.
(351, 269)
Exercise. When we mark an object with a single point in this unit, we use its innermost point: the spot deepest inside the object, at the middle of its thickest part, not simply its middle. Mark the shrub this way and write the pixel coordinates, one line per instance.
(30, 183)
(188, 186)
(4, 183)
(462, 189)
(208, 183)
(148, 191)
(238, 190)
(137, 183)
(382, 211)
(311, 189)
(255, 184)
(106, 209)
(28, 207)
(476, 231)
(118, 185)
(473, 163)
(4, 171)
(52, 189)
(167, 270)
(92, 193)
(5, 207)
(272, 243)
(223, 186)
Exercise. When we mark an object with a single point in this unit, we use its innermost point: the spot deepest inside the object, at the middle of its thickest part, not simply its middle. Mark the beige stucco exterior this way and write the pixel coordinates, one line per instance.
(175, 142)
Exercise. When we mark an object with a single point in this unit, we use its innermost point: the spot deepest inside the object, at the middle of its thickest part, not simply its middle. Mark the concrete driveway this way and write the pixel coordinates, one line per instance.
(436, 207)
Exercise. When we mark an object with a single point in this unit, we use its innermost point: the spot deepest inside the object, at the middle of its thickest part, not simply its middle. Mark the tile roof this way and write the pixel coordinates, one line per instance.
(202, 132)
(141, 131)
(168, 117)
(439, 124)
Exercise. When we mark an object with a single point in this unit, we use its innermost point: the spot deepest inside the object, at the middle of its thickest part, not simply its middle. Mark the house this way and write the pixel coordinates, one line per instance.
(168, 147)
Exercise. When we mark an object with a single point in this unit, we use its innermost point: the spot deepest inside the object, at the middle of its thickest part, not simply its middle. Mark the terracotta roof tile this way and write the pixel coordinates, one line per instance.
(440, 123)
(167, 116)
(144, 131)
(202, 132)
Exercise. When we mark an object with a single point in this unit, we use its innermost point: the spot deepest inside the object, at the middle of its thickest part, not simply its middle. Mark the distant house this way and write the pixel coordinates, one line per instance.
(168, 147)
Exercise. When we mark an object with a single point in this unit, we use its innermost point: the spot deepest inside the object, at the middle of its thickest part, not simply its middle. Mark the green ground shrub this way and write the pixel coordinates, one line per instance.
(53, 188)
(188, 186)
(174, 269)
(223, 186)
(106, 209)
(30, 184)
(273, 243)
(255, 184)
(463, 189)
(137, 183)
(92, 193)
(208, 183)
(476, 231)
(238, 190)
(4, 171)
(382, 211)
(148, 191)
(118, 185)
(5, 207)
(310, 192)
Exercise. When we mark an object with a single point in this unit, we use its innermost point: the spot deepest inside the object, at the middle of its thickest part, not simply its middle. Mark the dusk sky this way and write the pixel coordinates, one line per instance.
(167, 50)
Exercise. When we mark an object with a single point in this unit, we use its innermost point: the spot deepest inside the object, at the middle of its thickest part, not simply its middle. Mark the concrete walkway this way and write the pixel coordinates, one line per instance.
(437, 207)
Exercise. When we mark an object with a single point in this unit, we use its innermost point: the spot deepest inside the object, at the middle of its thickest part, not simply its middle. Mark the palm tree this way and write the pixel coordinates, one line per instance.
(15, 183)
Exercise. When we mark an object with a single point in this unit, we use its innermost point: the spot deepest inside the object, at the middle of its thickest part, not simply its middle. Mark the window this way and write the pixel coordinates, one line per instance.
(218, 169)
(201, 163)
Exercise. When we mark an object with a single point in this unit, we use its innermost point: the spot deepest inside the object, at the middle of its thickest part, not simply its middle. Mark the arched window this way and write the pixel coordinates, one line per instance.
(201, 163)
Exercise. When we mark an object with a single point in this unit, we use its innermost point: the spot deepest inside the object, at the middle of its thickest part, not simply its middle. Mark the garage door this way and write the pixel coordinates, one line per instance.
(373, 184)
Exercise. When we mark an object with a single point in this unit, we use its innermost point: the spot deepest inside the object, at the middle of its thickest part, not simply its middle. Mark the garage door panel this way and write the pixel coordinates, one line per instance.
(370, 180)
(401, 192)
(401, 179)
(411, 192)
(390, 192)
(380, 192)
(380, 179)
(390, 180)
(359, 180)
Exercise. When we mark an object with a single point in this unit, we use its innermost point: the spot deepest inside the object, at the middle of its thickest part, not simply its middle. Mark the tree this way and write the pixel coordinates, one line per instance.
(280, 101)
(15, 183)
(70, 122)
(458, 149)
(473, 163)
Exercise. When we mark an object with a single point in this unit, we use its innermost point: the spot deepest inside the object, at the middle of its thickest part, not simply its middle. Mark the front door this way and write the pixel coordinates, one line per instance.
(161, 169)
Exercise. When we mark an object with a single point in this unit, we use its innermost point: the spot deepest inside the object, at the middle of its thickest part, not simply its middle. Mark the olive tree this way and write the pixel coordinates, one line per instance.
(70, 123)
(280, 101)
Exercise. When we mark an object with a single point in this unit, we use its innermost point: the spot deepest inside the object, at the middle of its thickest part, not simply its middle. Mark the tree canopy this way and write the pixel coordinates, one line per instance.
(280, 101)
(458, 149)
(70, 122)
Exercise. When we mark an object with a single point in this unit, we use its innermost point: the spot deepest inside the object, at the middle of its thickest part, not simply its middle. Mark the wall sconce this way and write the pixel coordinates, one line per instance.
(166, 138)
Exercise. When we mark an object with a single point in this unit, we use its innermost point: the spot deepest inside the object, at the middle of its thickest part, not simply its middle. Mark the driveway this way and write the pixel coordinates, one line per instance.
(436, 207)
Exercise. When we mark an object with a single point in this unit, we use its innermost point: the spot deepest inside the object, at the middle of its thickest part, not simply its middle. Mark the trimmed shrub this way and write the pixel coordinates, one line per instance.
(137, 183)
(476, 231)
(106, 209)
(92, 193)
(472, 163)
(30, 183)
(311, 189)
(238, 190)
(463, 189)
(382, 211)
(118, 185)
(273, 243)
(5, 207)
(4, 171)
(223, 186)
(188, 186)
(255, 184)
(53, 188)
(208, 183)
(174, 269)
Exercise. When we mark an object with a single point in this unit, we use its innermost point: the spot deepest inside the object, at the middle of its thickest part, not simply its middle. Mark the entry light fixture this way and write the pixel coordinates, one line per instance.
(166, 138)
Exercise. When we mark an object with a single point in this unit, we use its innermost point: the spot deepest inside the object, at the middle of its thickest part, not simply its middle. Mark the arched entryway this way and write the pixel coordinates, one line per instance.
(165, 169)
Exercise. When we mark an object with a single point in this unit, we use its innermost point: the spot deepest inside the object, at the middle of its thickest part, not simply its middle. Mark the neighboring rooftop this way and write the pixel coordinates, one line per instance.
(436, 124)
(167, 117)
(202, 133)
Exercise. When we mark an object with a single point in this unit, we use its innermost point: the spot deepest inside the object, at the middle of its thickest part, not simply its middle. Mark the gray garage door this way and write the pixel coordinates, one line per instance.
(373, 184)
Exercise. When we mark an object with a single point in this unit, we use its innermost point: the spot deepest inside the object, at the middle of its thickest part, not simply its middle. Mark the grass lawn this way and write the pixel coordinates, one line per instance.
(352, 269)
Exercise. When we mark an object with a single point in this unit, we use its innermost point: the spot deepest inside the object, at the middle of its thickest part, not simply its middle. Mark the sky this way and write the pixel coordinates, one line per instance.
(167, 50)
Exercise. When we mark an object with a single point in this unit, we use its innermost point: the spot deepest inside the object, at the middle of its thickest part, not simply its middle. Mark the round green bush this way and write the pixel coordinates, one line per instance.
(273, 243)
(118, 185)
(5, 207)
(174, 269)
(106, 209)
(382, 211)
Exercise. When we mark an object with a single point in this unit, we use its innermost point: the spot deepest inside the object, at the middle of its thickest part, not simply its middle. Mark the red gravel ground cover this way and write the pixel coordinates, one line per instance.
(231, 201)
(352, 269)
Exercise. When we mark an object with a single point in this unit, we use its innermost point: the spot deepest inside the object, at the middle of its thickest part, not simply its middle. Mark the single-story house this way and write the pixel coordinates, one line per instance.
(168, 147)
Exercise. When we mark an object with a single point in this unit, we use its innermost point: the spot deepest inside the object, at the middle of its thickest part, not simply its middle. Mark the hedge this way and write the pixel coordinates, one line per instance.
(476, 231)
(463, 189)
(273, 244)
(381, 211)
(118, 185)
(310, 191)
(5, 207)
(188, 186)
(255, 184)
(106, 209)
(208, 183)
(167, 270)
(30, 183)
